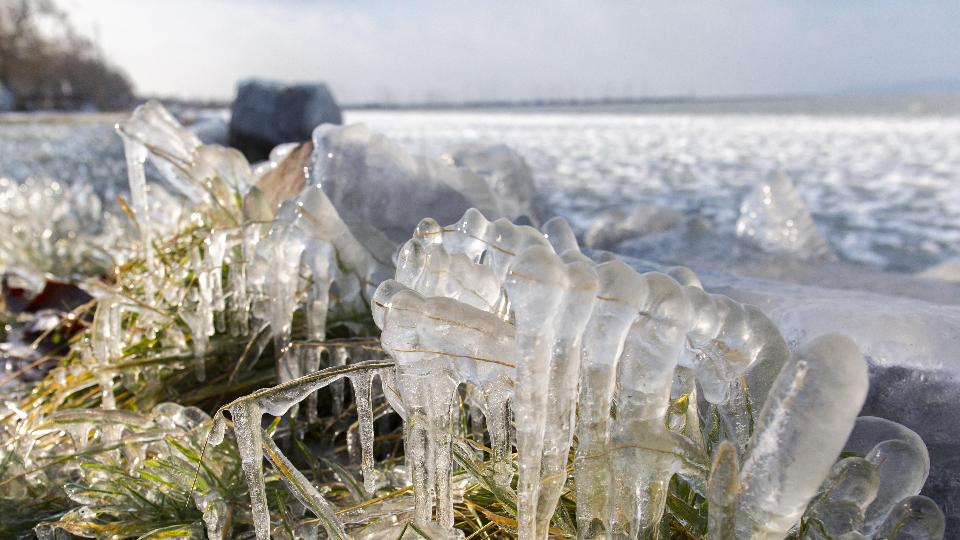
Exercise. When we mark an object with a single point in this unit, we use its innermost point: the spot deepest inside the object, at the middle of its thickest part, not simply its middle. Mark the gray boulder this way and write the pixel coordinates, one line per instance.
(212, 130)
(265, 114)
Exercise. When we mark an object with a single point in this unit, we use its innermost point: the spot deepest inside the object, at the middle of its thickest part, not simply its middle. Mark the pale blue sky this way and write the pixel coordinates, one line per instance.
(417, 50)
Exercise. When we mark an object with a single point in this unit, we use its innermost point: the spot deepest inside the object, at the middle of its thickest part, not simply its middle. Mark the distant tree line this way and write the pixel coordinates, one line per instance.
(47, 65)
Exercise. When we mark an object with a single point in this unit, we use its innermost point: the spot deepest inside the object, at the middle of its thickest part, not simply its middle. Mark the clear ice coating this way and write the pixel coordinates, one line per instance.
(647, 376)
(844, 496)
(571, 346)
(899, 458)
(279, 258)
(381, 192)
(247, 413)
(913, 518)
(774, 218)
(801, 429)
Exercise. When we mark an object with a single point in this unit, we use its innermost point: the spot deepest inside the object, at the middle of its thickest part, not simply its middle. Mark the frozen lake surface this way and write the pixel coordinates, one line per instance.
(884, 189)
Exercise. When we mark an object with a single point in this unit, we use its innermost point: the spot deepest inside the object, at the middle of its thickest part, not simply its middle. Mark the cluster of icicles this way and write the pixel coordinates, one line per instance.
(596, 351)
(270, 254)
(552, 347)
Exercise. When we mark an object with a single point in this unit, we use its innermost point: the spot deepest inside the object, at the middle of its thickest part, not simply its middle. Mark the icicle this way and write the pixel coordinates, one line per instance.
(106, 346)
(620, 298)
(281, 290)
(561, 386)
(914, 518)
(362, 387)
(803, 425)
(723, 493)
(215, 513)
(497, 414)
(474, 412)
(216, 250)
(440, 467)
(320, 260)
(340, 357)
(644, 454)
(353, 445)
(240, 298)
(310, 362)
(532, 284)
(844, 496)
(200, 317)
(246, 416)
(136, 156)
(391, 391)
(416, 334)
(902, 470)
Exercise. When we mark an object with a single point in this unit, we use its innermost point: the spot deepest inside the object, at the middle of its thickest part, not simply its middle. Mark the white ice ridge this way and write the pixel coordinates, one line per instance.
(537, 328)
(774, 218)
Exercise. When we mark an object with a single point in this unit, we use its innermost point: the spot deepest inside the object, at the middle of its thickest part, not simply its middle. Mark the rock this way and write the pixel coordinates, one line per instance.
(7, 99)
(265, 114)
(212, 130)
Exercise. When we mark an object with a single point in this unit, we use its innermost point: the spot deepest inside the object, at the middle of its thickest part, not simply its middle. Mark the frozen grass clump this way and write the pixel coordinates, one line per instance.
(501, 384)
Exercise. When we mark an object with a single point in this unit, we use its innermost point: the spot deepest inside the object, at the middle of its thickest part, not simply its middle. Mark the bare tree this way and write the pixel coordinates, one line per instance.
(48, 65)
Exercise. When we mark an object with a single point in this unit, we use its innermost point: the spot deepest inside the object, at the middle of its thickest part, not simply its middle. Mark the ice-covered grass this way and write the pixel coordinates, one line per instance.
(537, 392)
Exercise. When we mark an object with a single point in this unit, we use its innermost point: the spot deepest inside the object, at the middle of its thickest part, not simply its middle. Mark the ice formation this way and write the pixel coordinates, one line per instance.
(381, 192)
(525, 318)
(613, 226)
(282, 256)
(246, 414)
(505, 171)
(774, 218)
(644, 377)
(54, 228)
